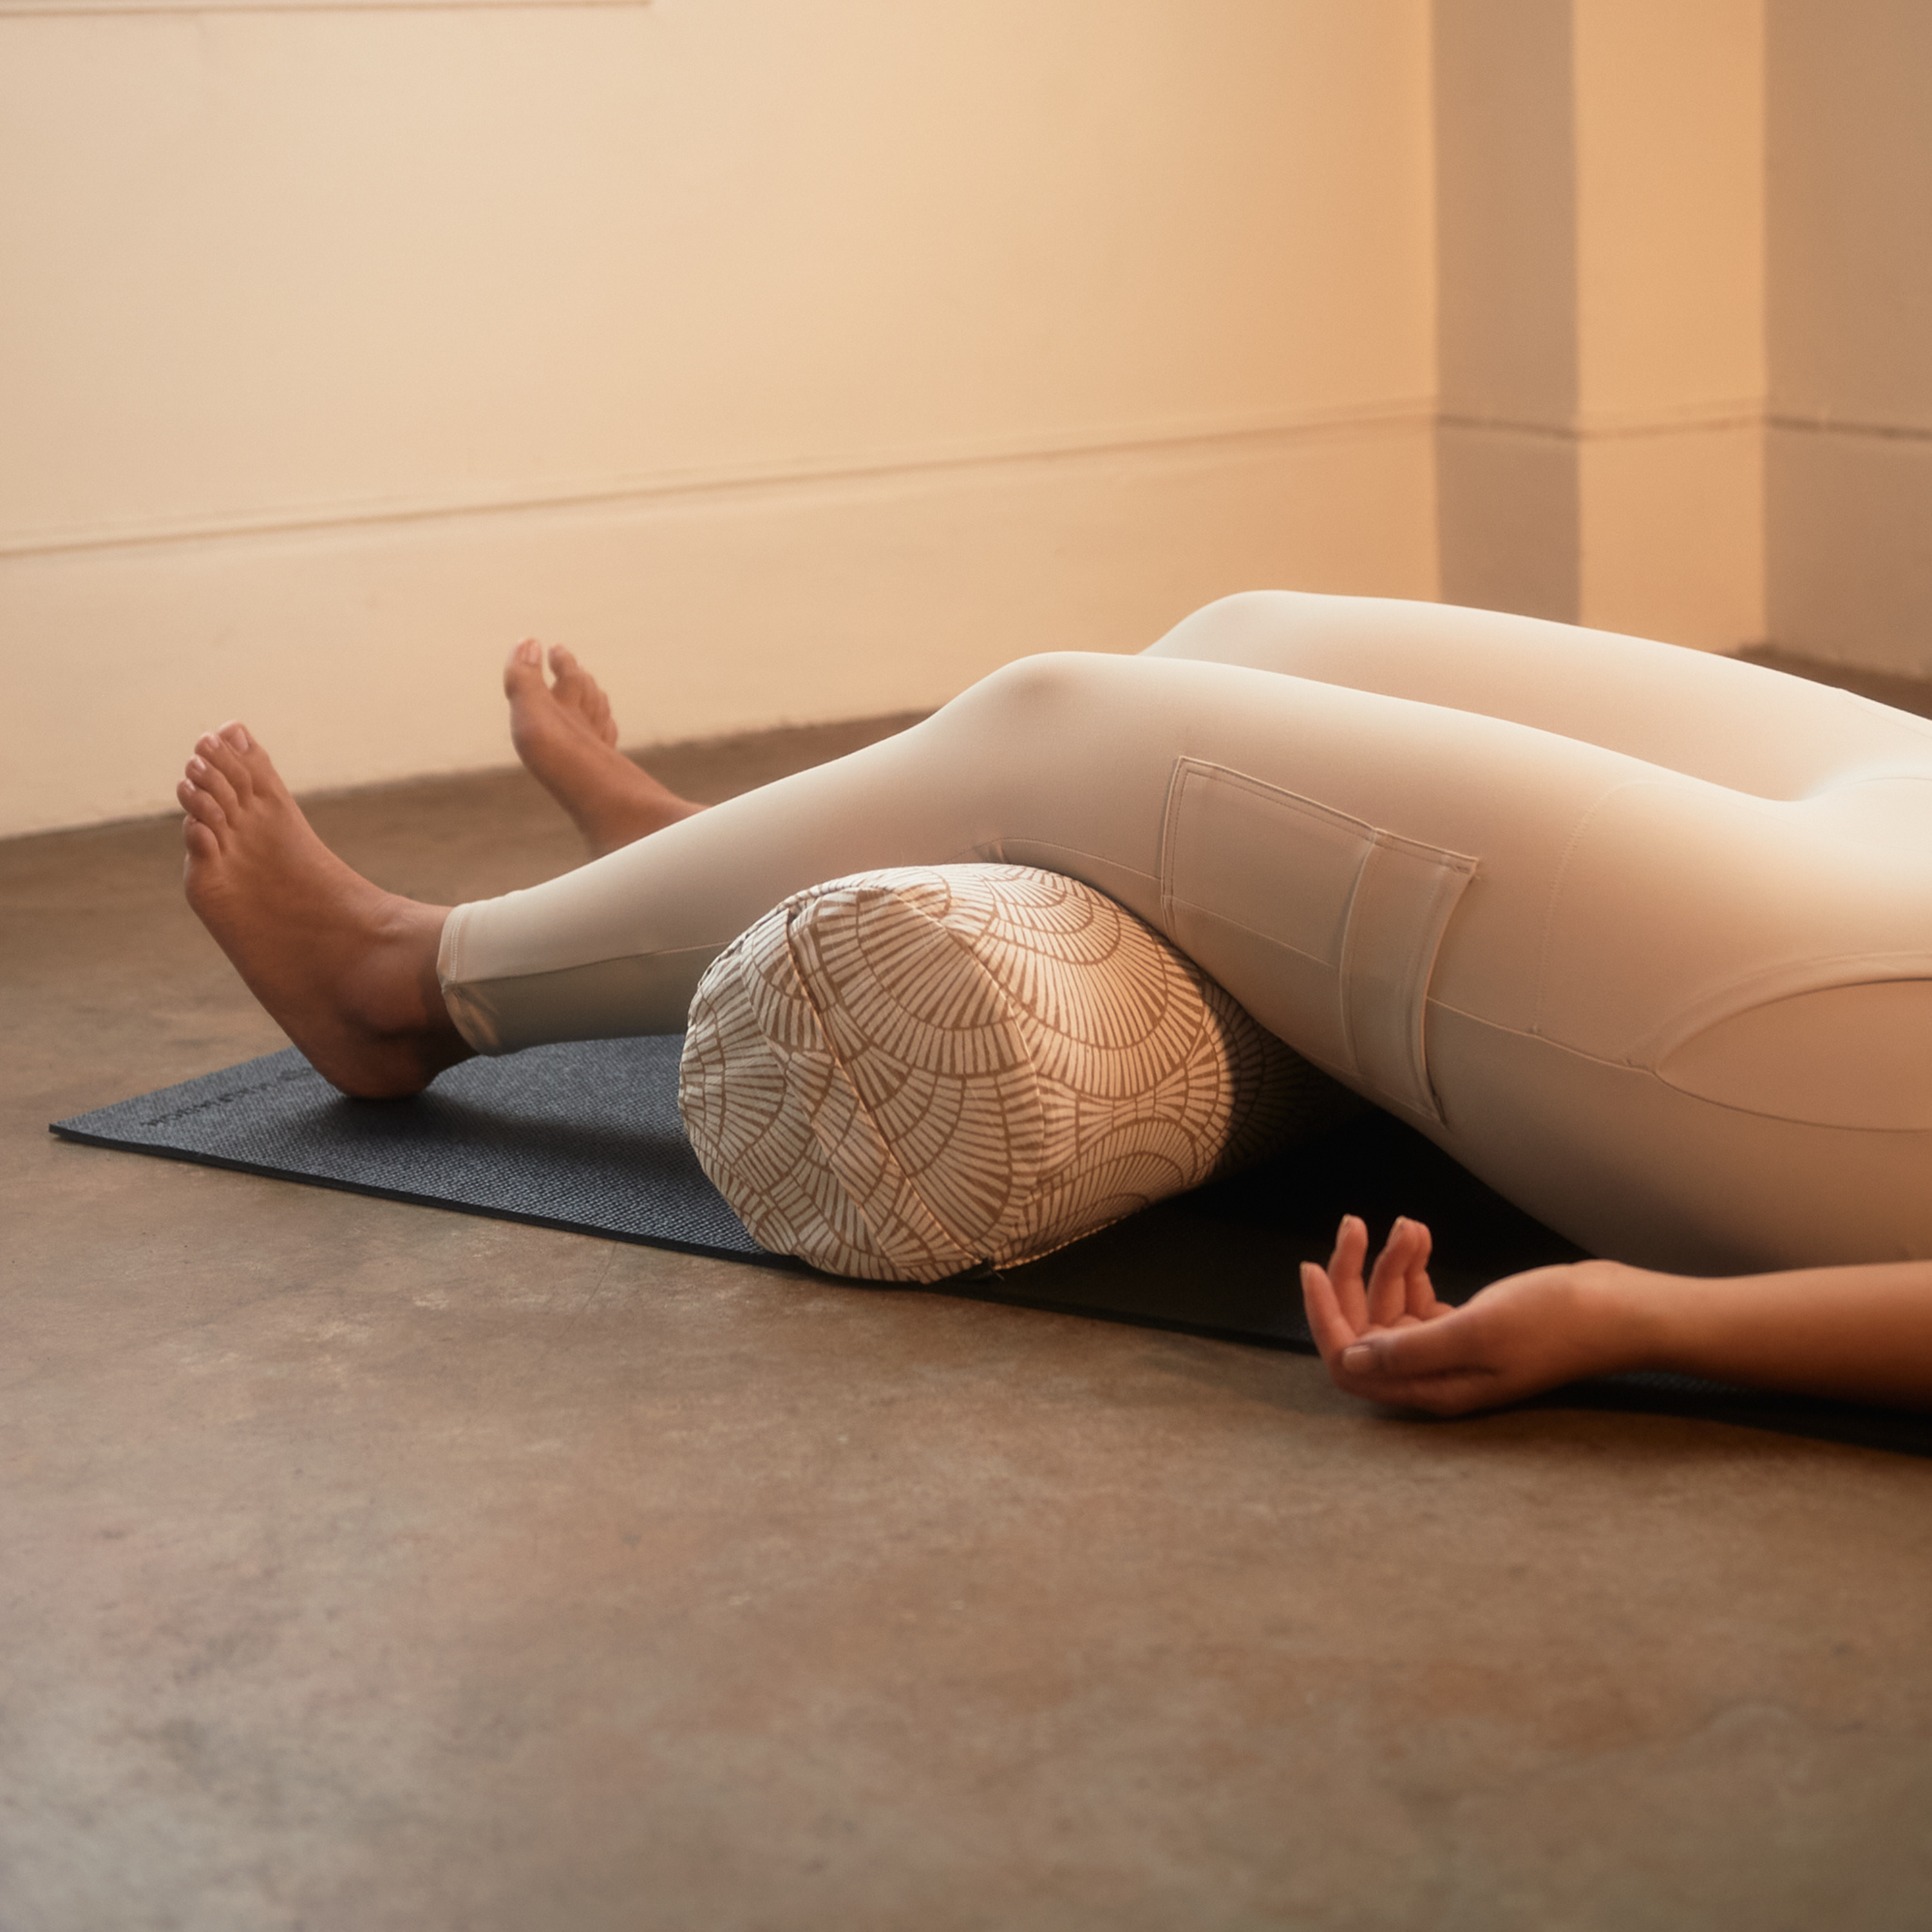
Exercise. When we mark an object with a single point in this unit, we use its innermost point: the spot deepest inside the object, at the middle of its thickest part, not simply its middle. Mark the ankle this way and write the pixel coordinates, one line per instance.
(397, 991)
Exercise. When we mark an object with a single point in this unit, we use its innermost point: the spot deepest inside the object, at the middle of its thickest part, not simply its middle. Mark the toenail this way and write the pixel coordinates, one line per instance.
(238, 738)
(530, 651)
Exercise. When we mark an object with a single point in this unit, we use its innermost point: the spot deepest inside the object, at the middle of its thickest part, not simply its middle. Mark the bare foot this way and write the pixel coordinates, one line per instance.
(347, 970)
(564, 733)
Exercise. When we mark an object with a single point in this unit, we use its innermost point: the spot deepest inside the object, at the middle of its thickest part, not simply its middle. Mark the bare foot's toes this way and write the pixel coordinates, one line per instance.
(348, 970)
(240, 765)
(564, 732)
(522, 674)
(571, 681)
(196, 799)
(200, 829)
(577, 691)
(212, 784)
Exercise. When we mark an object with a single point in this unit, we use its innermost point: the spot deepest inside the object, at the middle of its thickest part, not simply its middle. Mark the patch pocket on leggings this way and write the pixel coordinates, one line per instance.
(1325, 927)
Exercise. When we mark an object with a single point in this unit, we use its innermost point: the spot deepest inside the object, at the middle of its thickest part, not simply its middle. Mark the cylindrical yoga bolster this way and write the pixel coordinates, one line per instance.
(904, 1075)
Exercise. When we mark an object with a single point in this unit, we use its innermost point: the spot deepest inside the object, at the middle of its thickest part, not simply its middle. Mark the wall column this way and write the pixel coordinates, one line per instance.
(1600, 213)
(1850, 459)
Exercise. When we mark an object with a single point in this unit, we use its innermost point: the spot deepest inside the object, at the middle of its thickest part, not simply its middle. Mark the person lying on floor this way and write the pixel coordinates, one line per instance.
(1642, 937)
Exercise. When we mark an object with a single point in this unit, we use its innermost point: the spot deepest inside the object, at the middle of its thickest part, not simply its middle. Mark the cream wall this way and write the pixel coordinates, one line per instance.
(1850, 314)
(1599, 191)
(794, 362)
(1685, 318)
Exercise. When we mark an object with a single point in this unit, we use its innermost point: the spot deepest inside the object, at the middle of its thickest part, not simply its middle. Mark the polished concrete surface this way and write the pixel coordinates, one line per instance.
(370, 1567)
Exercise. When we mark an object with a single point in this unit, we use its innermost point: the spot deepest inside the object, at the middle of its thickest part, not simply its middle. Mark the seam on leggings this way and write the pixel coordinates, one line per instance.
(1788, 979)
(992, 852)
(449, 947)
(449, 980)
(1221, 919)
(714, 947)
(474, 993)
(983, 851)
(1556, 885)
(1850, 780)
(1656, 1079)
(1398, 903)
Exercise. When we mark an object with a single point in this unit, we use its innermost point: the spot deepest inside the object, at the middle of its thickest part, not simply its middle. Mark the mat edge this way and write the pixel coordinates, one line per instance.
(762, 1258)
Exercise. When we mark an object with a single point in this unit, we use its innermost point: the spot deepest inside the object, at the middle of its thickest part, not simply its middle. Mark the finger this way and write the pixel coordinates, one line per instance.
(1419, 1290)
(1388, 1286)
(1345, 1270)
(1326, 1321)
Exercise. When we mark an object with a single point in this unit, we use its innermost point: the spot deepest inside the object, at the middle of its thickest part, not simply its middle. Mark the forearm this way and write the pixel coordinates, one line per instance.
(1864, 1332)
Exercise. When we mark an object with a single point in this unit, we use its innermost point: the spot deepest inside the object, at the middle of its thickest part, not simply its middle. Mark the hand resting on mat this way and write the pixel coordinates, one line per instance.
(1862, 1332)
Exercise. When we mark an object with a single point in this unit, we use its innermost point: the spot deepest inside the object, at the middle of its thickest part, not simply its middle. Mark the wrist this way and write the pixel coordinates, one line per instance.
(1626, 1313)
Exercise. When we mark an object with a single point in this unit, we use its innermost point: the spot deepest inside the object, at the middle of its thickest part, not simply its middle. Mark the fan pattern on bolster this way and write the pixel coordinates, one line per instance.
(904, 1075)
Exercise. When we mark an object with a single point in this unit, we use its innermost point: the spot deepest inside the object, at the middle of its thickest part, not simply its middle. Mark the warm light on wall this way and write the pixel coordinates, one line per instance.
(799, 362)
(805, 362)
(58, 9)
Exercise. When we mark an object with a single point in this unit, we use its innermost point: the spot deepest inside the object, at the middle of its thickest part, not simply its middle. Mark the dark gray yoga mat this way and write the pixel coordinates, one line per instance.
(586, 1137)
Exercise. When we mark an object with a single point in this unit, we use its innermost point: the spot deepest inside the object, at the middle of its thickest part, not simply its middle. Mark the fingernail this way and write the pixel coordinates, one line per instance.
(1359, 1360)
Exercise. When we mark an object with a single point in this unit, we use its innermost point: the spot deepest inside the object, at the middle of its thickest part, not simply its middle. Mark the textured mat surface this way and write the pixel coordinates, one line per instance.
(586, 1137)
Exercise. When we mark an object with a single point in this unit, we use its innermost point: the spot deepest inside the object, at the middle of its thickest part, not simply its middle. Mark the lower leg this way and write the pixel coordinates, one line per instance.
(1066, 762)
(347, 969)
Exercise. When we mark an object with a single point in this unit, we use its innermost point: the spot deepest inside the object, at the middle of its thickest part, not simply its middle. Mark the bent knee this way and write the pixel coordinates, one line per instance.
(1043, 692)
(1250, 625)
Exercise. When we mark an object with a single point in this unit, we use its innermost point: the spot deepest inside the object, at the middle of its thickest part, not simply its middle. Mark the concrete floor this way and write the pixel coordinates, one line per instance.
(367, 1568)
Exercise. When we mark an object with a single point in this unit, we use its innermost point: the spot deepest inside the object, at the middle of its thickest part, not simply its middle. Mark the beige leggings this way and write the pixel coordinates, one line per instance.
(1641, 936)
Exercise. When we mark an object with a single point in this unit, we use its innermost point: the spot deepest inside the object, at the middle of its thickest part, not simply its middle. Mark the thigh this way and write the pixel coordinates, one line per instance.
(1697, 712)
